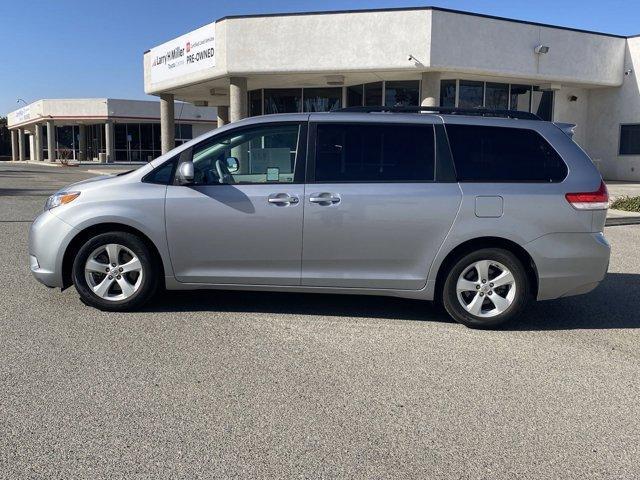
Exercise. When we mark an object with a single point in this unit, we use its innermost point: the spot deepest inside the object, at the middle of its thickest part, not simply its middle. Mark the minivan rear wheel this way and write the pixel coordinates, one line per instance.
(486, 288)
(115, 272)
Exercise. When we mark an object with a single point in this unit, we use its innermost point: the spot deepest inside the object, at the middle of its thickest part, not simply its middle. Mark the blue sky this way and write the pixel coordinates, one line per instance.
(65, 48)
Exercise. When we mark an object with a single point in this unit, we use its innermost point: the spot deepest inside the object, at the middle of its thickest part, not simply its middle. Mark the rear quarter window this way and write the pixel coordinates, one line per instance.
(500, 154)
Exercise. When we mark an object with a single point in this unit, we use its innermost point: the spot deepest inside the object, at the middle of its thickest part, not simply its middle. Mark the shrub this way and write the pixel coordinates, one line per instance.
(630, 204)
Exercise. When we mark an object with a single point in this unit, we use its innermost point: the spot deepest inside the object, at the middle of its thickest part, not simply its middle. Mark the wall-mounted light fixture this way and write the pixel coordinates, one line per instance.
(572, 98)
(541, 49)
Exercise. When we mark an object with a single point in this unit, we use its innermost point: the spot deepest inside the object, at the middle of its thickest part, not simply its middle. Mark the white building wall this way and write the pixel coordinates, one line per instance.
(487, 46)
(608, 109)
(334, 42)
(576, 112)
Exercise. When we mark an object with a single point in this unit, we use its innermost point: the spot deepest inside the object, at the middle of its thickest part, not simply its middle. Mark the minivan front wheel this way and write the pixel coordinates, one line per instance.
(115, 272)
(486, 288)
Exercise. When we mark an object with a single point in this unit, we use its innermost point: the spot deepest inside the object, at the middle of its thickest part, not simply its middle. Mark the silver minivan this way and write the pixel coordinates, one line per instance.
(480, 211)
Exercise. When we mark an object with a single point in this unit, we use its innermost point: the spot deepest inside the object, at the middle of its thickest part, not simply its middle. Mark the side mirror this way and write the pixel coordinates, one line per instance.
(232, 164)
(185, 173)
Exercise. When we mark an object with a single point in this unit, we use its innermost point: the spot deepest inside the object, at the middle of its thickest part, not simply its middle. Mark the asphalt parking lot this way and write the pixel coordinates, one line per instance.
(255, 385)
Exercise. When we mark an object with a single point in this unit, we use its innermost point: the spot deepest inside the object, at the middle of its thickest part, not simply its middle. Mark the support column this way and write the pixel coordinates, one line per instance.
(223, 115)
(108, 141)
(38, 143)
(237, 98)
(82, 143)
(430, 91)
(21, 149)
(167, 123)
(14, 145)
(51, 141)
(32, 146)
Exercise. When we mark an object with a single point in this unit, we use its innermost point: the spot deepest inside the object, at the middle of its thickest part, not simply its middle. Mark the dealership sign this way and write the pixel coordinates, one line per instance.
(185, 55)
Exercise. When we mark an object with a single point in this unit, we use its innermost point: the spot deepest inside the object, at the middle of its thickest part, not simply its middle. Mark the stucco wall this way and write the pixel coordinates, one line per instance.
(488, 46)
(564, 110)
(329, 42)
(608, 109)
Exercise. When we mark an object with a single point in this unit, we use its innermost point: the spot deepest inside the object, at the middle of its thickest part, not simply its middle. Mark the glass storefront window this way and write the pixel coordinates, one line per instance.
(133, 135)
(355, 95)
(402, 93)
(497, 96)
(322, 99)
(146, 136)
(542, 103)
(448, 93)
(120, 136)
(255, 103)
(471, 94)
(520, 98)
(282, 100)
(373, 94)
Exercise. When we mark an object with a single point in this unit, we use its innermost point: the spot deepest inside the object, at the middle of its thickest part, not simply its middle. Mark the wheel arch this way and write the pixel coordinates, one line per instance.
(474, 244)
(91, 231)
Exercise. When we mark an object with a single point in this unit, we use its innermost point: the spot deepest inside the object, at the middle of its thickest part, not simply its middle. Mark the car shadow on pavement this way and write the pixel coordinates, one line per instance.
(614, 304)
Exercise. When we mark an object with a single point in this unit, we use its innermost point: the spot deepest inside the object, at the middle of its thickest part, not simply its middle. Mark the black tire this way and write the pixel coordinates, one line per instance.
(521, 297)
(148, 283)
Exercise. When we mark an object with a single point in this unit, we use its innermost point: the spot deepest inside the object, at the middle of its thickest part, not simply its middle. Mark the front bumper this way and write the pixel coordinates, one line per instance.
(49, 237)
(569, 263)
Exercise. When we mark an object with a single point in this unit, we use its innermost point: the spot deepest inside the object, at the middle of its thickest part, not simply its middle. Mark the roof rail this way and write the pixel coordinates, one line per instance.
(482, 112)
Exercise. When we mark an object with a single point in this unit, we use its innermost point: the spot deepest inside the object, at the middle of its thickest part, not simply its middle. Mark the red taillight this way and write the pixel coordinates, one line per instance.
(598, 200)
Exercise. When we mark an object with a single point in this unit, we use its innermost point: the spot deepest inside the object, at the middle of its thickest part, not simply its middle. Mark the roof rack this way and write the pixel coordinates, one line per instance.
(482, 112)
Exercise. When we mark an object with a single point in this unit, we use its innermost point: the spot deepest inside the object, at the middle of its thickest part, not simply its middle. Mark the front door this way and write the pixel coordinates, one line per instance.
(375, 215)
(241, 220)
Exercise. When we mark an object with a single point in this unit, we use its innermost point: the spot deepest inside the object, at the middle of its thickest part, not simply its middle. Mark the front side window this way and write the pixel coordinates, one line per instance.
(261, 154)
(497, 154)
(630, 139)
(374, 153)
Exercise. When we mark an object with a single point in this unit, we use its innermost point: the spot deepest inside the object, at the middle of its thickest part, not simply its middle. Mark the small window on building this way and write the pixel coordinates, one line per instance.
(374, 153)
(402, 93)
(471, 94)
(520, 98)
(496, 154)
(322, 99)
(448, 93)
(542, 103)
(282, 100)
(630, 139)
(373, 94)
(255, 103)
(497, 96)
(355, 95)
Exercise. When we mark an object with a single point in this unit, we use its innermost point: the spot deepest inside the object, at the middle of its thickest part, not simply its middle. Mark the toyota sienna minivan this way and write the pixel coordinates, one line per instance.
(480, 211)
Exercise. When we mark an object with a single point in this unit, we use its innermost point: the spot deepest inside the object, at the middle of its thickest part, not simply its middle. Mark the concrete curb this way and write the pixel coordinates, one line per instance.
(620, 221)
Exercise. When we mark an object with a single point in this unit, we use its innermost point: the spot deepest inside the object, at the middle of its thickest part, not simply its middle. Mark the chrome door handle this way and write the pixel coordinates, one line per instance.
(326, 198)
(282, 199)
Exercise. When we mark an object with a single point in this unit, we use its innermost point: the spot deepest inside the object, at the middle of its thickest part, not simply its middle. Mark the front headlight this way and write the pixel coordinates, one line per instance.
(60, 198)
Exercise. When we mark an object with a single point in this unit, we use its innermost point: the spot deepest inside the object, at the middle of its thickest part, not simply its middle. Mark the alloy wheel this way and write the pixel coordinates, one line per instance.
(486, 288)
(113, 272)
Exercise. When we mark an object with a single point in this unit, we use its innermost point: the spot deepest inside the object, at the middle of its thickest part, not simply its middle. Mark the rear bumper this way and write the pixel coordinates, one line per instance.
(569, 263)
(48, 239)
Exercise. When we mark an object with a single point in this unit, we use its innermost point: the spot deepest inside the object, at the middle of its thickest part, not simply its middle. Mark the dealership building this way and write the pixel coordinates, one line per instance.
(104, 129)
(319, 61)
